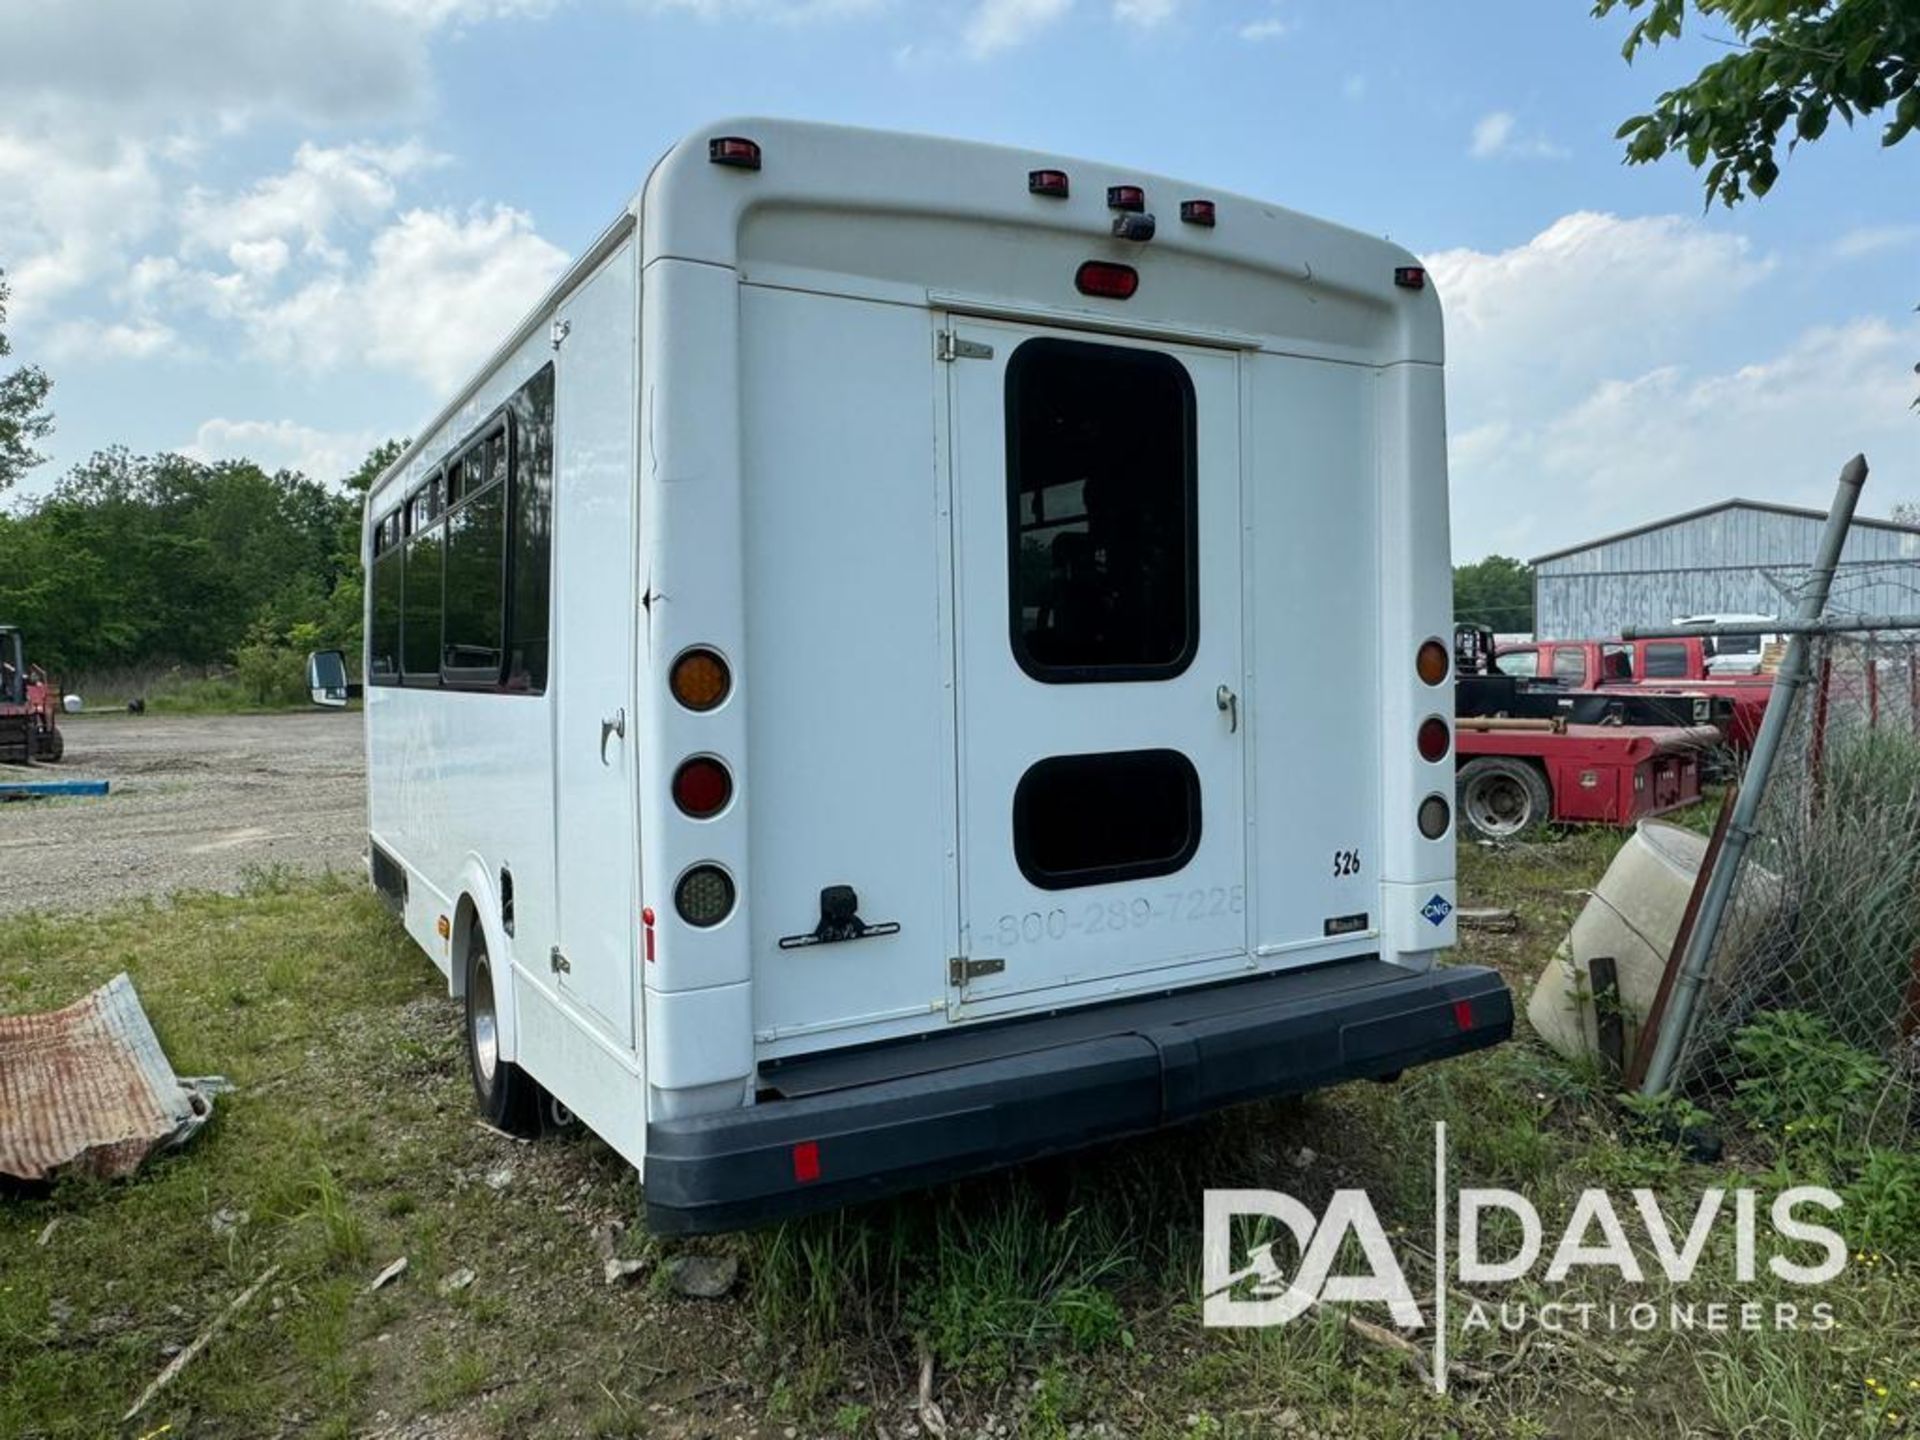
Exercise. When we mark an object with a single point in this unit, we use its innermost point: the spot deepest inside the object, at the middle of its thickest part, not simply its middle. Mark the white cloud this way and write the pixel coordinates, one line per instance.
(437, 293)
(1271, 28)
(93, 339)
(349, 184)
(1574, 407)
(799, 12)
(68, 207)
(1672, 438)
(1497, 136)
(1591, 295)
(1145, 14)
(997, 25)
(1875, 240)
(281, 445)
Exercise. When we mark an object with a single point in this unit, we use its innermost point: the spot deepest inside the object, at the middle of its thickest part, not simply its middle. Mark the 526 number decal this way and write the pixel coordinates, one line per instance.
(1346, 862)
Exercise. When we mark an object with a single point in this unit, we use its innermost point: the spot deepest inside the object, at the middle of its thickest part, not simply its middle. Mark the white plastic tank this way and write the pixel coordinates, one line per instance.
(1632, 917)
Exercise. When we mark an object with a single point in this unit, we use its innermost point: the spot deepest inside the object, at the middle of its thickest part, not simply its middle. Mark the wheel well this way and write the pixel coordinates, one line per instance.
(466, 915)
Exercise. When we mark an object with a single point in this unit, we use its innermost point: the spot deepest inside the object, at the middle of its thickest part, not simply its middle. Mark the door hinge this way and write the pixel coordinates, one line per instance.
(951, 347)
(960, 969)
(559, 963)
(558, 332)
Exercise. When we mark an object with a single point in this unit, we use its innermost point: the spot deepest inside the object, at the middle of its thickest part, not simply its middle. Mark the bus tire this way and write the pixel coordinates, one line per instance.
(508, 1096)
(1500, 797)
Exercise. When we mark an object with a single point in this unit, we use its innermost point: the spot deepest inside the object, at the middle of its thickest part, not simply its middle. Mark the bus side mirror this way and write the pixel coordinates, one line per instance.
(327, 678)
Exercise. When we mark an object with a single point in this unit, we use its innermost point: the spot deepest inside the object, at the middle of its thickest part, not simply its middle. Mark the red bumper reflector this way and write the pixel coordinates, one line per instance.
(1463, 1014)
(1104, 278)
(733, 150)
(1410, 277)
(806, 1161)
(1048, 182)
(646, 921)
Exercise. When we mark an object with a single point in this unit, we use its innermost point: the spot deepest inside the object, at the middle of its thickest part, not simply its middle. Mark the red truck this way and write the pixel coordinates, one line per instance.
(1654, 667)
(1529, 751)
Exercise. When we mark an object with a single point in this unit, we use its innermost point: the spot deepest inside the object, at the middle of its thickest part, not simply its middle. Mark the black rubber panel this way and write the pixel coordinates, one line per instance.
(895, 1117)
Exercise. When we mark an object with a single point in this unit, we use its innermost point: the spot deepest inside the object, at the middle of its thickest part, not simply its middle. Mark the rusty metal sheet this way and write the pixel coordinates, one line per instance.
(87, 1089)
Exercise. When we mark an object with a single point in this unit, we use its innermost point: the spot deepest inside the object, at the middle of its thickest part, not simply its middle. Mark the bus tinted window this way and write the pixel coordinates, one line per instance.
(420, 625)
(383, 622)
(531, 563)
(1101, 495)
(475, 573)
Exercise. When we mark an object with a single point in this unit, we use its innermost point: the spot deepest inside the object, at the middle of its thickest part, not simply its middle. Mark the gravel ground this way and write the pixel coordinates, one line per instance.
(197, 802)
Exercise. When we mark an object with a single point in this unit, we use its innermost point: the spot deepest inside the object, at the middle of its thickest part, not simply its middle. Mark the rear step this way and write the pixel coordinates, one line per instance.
(857, 1125)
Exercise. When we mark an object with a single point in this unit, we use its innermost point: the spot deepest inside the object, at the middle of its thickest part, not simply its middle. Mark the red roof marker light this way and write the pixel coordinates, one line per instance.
(1051, 183)
(1126, 197)
(1410, 277)
(1197, 212)
(734, 150)
(1107, 280)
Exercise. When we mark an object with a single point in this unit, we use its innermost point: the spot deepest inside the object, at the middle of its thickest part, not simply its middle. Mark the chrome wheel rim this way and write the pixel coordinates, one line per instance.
(486, 1029)
(1498, 805)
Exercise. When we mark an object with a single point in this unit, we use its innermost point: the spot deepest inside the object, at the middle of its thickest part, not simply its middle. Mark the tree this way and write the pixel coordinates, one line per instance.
(1795, 63)
(1496, 592)
(24, 417)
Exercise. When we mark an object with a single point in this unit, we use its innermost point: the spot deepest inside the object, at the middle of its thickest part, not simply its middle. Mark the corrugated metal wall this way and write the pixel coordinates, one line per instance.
(1714, 563)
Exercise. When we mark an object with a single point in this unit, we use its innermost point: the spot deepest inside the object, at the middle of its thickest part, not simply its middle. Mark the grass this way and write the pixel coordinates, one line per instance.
(1045, 1299)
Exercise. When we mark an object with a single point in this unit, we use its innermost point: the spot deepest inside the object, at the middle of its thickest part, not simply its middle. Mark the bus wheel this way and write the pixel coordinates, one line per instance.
(507, 1094)
(1501, 797)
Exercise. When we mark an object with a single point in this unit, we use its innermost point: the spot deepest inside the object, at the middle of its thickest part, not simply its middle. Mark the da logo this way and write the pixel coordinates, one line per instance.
(1256, 1291)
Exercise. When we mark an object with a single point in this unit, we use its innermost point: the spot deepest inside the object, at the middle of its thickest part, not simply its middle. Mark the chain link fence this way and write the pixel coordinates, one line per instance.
(1815, 978)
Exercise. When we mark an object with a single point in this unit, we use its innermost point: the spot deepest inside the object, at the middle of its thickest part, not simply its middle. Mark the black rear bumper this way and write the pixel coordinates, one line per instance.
(846, 1127)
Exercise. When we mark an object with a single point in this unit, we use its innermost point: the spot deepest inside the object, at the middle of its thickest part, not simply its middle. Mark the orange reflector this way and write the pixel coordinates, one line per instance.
(1432, 662)
(700, 679)
(445, 927)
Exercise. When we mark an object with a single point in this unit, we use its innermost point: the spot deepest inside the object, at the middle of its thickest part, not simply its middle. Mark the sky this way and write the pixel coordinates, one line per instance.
(288, 229)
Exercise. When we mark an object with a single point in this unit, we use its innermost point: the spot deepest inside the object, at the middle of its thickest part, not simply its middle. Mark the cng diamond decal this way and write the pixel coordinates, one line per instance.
(1437, 909)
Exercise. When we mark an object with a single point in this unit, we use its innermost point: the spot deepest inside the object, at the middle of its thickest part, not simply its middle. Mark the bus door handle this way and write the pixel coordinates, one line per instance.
(615, 726)
(1228, 704)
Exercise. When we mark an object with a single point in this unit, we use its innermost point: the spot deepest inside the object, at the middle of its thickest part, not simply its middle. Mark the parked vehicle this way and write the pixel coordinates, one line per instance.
(1532, 751)
(1737, 654)
(1671, 666)
(29, 706)
(833, 680)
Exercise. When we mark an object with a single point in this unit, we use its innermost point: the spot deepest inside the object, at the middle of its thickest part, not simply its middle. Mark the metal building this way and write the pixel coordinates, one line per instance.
(1739, 556)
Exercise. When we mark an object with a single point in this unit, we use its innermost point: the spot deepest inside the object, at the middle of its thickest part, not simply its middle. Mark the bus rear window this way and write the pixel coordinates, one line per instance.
(1102, 512)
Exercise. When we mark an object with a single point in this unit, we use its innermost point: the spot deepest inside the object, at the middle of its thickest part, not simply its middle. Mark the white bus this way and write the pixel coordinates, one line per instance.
(919, 655)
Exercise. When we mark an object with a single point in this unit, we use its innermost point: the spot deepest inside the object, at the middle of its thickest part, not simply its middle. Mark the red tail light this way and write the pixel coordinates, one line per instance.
(1463, 1014)
(1435, 739)
(733, 150)
(702, 787)
(1107, 280)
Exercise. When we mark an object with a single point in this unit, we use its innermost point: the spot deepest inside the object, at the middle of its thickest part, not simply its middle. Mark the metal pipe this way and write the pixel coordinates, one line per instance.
(1678, 1026)
(1847, 625)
